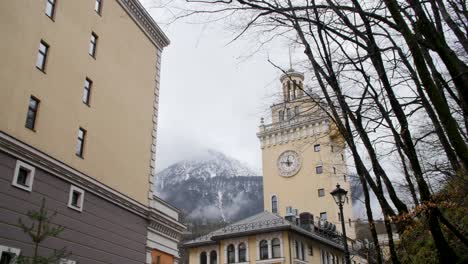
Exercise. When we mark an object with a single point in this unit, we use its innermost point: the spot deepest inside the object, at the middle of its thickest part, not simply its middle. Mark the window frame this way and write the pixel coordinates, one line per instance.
(203, 258)
(321, 192)
(34, 111)
(75, 189)
(231, 253)
(274, 204)
(15, 251)
(262, 246)
(241, 258)
(93, 44)
(278, 246)
(53, 4)
(80, 142)
(319, 169)
(87, 91)
(215, 257)
(98, 4)
(30, 178)
(323, 214)
(44, 55)
(317, 148)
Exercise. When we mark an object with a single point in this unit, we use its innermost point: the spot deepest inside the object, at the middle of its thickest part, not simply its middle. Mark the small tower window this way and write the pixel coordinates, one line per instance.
(288, 113)
(323, 215)
(321, 192)
(296, 110)
(317, 147)
(274, 204)
(319, 169)
(281, 115)
(334, 170)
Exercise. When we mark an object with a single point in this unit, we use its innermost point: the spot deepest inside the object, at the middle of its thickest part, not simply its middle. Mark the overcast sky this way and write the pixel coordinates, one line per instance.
(212, 94)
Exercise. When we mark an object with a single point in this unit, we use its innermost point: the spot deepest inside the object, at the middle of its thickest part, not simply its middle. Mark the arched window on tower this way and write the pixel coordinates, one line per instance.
(263, 249)
(295, 90)
(289, 90)
(203, 258)
(281, 115)
(231, 257)
(274, 204)
(213, 257)
(276, 248)
(242, 252)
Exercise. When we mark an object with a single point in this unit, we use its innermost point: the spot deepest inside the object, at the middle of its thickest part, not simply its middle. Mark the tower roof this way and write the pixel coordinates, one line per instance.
(291, 73)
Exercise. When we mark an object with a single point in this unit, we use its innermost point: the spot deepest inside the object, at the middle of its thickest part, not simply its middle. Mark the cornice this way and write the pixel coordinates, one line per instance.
(145, 22)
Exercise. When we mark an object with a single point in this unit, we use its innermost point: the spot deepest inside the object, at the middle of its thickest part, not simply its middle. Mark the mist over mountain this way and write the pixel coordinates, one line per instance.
(212, 186)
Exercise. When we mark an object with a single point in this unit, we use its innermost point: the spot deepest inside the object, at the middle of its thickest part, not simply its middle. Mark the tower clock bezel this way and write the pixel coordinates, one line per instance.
(292, 157)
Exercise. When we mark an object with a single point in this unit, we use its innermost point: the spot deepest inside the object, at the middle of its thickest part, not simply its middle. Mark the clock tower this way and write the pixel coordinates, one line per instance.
(303, 157)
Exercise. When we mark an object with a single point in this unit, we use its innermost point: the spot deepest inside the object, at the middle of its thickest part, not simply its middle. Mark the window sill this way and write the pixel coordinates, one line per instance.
(299, 261)
(75, 208)
(79, 156)
(22, 187)
(41, 70)
(272, 260)
(32, 129)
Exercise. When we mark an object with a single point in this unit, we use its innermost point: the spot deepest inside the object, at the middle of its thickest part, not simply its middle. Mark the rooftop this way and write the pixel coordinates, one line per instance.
(265, 222)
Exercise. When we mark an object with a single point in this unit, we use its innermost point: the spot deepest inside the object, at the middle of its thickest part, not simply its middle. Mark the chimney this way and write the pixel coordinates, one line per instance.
(306, 221)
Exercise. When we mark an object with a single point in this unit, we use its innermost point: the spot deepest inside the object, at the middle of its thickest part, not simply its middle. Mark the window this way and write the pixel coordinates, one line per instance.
(321, 192)
(24, 176)
(203, 259)
(32, 112)
(323, 215)
(50, 9)
(339, 217)
(274, 204)
(80, 143)
(296, 110)
(8, 255)
(75, 199)
(42, 55)
(288, 113)
(87, 90)
(98, 6)
(281, 115)
(319, 169)
(231, 257)
(263, 249)
(276, 248)
(213, 257)
(317, 147)
(92, 45)
(242, 252)
(334, 170)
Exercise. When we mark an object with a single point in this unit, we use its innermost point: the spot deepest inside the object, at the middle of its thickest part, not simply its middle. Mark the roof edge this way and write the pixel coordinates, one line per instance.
(143, 19)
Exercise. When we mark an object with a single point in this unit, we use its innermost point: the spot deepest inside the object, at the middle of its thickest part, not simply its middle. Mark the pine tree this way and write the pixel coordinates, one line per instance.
(39, 230)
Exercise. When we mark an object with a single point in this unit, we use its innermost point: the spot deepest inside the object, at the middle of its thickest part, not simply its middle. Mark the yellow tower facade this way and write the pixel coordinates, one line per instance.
(303, 158)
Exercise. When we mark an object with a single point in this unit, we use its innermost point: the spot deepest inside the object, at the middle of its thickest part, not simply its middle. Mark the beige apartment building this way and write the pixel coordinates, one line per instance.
(78, 114)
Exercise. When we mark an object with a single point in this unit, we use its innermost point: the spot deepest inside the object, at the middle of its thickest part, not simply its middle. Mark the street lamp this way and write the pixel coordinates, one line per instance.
(339, 195)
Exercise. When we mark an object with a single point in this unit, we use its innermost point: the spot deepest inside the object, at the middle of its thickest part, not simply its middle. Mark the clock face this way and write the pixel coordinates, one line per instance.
(289, 163)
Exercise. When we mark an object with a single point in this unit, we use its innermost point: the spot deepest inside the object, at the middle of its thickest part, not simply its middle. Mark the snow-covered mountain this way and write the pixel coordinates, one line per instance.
(211, 186)
(207, 164)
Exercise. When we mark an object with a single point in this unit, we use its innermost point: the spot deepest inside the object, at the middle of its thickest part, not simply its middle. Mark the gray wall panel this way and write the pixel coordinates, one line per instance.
(102, 233)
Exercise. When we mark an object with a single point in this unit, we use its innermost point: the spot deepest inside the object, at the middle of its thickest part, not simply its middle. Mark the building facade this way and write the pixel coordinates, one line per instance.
(303, 157)
(267, 238)
(78, 115)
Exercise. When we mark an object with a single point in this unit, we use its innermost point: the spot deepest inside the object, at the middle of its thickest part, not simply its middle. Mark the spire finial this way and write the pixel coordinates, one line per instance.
(290, 59)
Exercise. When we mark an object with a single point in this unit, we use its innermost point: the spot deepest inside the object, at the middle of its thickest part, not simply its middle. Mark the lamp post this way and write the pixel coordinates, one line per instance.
(339, 195)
